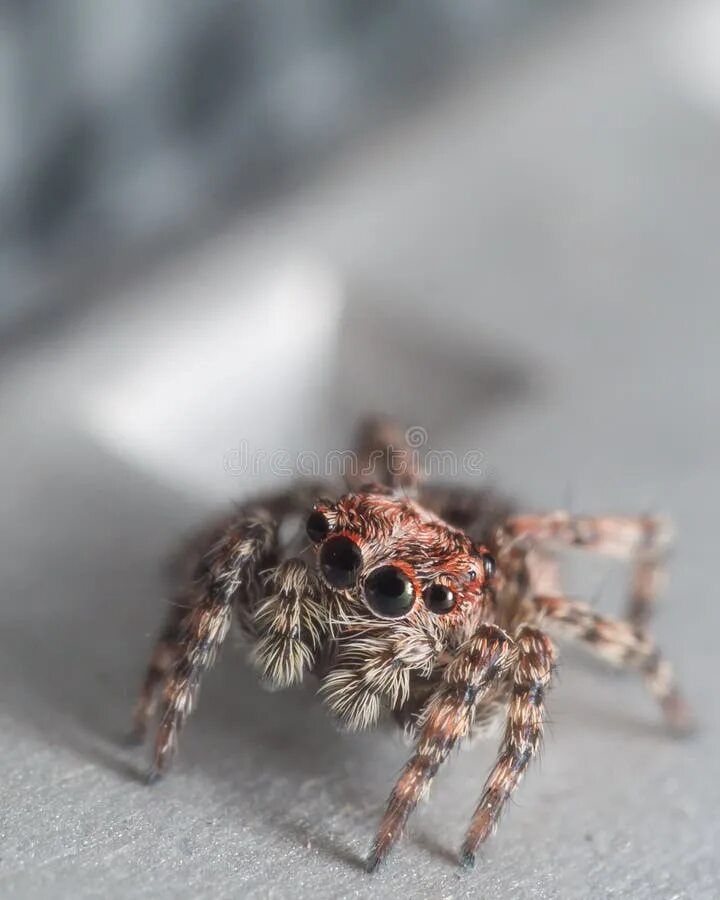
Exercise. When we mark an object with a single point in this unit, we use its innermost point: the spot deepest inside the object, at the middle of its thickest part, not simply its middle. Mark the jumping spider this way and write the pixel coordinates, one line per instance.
(434, 605)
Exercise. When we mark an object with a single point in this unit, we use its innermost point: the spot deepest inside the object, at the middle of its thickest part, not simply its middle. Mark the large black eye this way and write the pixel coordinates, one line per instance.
(389, 592)
(317, 526)
(439, 598)
(340, 561)
(488, 562)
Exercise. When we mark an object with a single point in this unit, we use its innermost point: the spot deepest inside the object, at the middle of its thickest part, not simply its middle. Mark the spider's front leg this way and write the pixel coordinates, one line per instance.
(523, 734)
(197, 626)
(479, 667)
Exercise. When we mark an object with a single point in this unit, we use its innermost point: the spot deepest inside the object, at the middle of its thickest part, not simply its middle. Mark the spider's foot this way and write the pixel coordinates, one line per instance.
(152, 776)
(679, 719)
(373, 861)
(467, 858)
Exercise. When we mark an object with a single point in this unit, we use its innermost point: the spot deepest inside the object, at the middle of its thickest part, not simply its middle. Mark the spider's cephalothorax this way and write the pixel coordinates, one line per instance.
(433, 605)
(400, 588)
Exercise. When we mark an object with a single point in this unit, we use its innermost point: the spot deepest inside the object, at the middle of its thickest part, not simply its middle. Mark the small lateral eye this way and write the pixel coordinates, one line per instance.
(317, 526)
(488, 562)
(439, 598)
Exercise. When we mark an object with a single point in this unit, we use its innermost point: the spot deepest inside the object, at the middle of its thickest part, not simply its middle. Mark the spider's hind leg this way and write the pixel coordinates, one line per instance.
(645, 540)
(623, 646)
(385, 456)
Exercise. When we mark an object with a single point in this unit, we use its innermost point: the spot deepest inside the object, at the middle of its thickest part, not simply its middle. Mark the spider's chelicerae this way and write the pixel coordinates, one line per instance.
(434, 605)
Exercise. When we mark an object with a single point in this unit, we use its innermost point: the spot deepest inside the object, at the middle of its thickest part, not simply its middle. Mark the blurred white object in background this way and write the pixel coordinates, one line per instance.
(232, 367)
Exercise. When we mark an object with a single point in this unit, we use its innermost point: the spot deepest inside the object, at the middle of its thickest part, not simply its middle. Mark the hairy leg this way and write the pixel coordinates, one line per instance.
(198, 624)
(523, 734)
(648, 579)
(480, 665)
(644, 539)
(623, 646)
(218, 574)
(162, 661)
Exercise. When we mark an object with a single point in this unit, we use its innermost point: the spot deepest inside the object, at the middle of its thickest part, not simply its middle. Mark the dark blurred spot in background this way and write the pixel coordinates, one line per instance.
(127, 125)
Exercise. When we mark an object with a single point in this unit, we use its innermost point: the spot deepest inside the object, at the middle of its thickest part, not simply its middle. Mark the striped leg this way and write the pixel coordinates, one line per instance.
(623, 646)
(645, 539)
(479, 667)
(188, 645)
(162, 661)
(648, 579)
(523, 733)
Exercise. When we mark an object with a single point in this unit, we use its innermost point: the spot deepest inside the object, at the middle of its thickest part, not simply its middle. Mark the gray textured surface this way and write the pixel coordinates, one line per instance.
(599, 267)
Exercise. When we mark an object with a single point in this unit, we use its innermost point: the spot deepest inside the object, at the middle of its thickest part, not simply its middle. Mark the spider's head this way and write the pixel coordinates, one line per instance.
(396, 559)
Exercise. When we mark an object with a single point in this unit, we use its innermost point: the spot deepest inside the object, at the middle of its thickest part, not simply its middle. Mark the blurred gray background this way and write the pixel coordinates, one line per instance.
(126, 126)
(245, 225)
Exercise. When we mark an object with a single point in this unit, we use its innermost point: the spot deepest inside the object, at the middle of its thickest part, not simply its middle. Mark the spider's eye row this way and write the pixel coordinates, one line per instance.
(439, 598)
(317, 526)
(488, 562)
(389, 592)
(340, 561)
